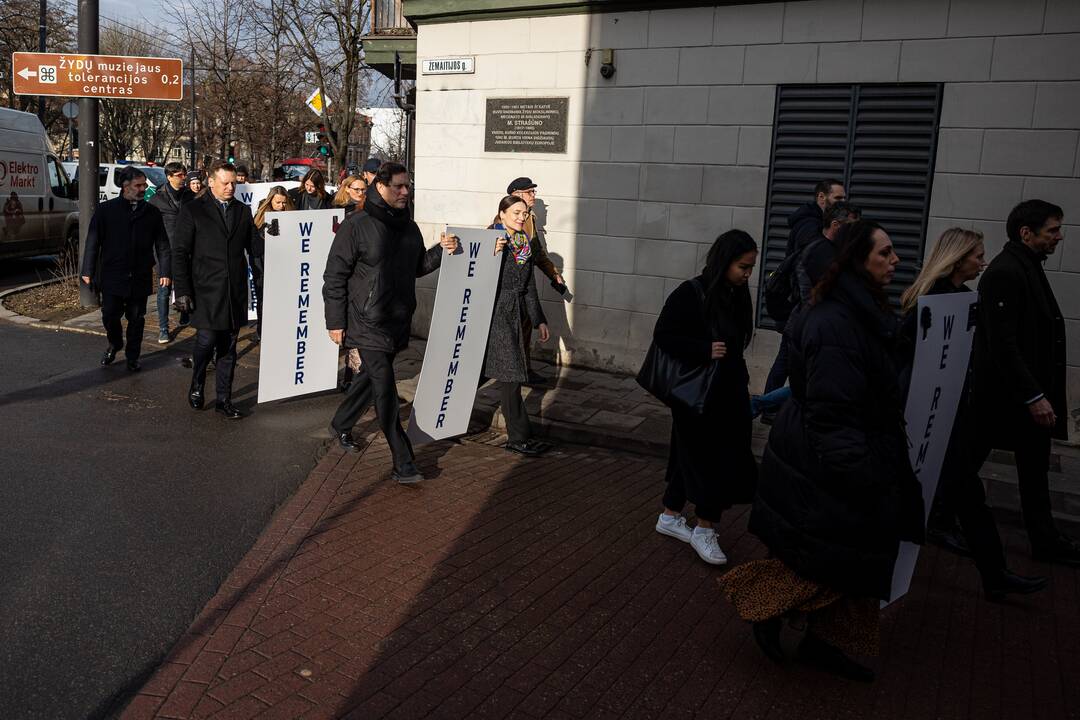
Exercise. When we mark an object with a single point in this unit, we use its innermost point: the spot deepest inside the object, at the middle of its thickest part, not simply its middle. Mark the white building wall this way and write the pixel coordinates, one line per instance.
(675, 148)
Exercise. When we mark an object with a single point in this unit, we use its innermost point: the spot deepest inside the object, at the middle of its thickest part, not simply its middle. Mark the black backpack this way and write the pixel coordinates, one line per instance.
(781, 290)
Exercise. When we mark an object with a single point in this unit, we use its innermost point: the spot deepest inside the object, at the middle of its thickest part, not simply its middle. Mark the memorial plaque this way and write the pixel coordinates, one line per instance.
(528, 124)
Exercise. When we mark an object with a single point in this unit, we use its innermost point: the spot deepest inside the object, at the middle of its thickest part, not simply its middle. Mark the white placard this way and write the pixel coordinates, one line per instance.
(943, 338)
(448, 66)
(457, 338)
(297, 356)
(251, 194)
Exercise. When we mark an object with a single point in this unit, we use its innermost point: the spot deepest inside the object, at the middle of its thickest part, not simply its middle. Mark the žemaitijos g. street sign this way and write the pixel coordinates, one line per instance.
(100, 76)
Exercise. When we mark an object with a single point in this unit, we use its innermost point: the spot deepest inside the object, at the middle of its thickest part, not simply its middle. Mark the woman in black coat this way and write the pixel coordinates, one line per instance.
(957, 258)
(709, 319)
(837, 493)
(311, 194)
(276, 200)
(515, 300)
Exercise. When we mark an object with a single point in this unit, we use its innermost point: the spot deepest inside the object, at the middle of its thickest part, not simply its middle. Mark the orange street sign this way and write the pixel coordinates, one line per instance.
(100, 76)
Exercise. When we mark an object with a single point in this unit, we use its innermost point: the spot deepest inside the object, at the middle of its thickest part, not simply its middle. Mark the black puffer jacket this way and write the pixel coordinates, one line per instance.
(837, 492)
(369, 286)
(805, 224)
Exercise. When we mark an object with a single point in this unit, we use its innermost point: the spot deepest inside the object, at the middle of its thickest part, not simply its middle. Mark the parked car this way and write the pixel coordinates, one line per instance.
(39, 203)
(109, 188)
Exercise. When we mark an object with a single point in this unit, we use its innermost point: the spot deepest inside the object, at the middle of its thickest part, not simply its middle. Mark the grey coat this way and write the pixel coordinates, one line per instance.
(515, 300)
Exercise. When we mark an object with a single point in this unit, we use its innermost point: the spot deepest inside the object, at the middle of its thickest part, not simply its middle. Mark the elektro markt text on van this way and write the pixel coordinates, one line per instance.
(21, 174)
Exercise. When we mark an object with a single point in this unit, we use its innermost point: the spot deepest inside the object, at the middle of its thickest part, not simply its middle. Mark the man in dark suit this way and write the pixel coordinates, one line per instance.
(212, 234)
(168, 199)
(1020, 368)
(125, 234)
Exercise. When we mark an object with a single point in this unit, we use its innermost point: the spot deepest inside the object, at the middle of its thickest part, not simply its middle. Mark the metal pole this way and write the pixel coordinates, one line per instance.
(41, 48)
(88, 142)
(192, 66)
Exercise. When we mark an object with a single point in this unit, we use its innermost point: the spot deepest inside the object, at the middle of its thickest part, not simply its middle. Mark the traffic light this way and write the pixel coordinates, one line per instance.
(232, 151)
(324, 144)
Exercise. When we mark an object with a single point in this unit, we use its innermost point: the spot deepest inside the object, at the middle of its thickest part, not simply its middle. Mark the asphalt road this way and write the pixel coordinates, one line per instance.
(122, 512)
(14, 273)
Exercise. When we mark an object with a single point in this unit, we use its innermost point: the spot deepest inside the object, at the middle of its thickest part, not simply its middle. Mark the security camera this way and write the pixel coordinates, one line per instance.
(607, 64)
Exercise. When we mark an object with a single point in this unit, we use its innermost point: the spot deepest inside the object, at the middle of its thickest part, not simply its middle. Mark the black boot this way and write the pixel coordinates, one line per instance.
(817, 653)
(196, 397)
(767, 635)
(1003, 582)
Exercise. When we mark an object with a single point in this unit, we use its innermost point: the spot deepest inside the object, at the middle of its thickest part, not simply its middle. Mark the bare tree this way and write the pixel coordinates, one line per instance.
(327, 35)
(19, 33)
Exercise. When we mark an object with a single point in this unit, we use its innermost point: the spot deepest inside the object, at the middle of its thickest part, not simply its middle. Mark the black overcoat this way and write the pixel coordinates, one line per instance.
(837, 492)
(121, 246)
(1019, 347)
(209, 262)
(515, 300)
(710, 453)
(369, 286)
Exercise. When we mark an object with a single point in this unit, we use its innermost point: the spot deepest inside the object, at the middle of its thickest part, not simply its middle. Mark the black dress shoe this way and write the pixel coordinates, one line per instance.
(345, 440)
(133, 366)
(527, 448)
(109, 355)
(767, 635)
(1064, 551)
(227, 409)
(951, 539)
(1006, 582)
(817, 653)
(407, 474)
(196, 398)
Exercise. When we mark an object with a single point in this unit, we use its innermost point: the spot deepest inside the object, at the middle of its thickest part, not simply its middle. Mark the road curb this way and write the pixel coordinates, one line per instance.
(15, 317)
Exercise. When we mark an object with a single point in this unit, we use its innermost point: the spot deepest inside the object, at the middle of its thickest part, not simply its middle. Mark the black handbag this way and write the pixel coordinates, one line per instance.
(675, 382)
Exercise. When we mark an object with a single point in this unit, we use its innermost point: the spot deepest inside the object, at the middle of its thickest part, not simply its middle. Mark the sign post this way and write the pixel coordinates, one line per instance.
(457, 338)
(943, 337)
(101, 76)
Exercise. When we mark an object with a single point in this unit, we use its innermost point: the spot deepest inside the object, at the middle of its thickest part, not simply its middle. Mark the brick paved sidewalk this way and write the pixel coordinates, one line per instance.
(537, 588)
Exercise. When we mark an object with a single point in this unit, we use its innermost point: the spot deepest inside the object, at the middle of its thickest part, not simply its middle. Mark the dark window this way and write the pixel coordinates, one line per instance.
(880, 140)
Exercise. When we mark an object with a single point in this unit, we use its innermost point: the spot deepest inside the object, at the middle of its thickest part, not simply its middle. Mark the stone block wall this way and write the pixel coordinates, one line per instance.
(675, 148)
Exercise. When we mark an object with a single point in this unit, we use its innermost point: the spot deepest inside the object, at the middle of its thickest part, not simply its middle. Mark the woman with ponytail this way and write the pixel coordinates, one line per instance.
(709, 320)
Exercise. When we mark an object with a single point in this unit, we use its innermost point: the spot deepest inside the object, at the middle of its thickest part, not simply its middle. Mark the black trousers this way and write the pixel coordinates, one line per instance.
(1032, 451)
(960, 494)
(518, 429)
(207, 343)
(375, 382)
(257, 278)
(114, 307)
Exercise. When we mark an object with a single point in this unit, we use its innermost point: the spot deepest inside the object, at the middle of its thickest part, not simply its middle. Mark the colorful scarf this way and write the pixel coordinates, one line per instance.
(519, 245)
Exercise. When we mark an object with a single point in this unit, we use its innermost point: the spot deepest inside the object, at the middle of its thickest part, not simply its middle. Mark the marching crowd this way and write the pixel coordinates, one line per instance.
(836, 492)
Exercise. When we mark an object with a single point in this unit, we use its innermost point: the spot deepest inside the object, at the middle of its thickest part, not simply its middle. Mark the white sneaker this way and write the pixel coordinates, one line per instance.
(703, 540)
(674, 526)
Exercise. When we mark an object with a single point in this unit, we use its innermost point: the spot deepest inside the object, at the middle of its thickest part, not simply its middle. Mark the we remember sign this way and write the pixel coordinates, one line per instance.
(297, 355)
(252, 194)
(457, 339)
(943, 337)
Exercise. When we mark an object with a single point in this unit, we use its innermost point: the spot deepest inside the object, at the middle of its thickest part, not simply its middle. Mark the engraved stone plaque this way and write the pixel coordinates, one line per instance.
(528, 124)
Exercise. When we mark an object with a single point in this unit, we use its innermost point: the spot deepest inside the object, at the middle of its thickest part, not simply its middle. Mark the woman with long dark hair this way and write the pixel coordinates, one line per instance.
(311, 194)
(515, 300)
(837, 493)
(709, 319)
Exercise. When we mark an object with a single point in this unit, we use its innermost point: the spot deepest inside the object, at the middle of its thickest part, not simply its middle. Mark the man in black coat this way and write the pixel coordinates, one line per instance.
(168, 199)
(805, 227)
(125, 235)
(1020, 368)
(213, 232)
(369, 289)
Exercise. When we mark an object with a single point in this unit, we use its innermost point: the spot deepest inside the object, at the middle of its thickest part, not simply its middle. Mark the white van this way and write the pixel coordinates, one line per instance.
(39, 204)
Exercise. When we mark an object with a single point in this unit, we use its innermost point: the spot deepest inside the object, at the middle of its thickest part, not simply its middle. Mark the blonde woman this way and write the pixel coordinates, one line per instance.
(351, 194)
(956, 259)
(276, 201)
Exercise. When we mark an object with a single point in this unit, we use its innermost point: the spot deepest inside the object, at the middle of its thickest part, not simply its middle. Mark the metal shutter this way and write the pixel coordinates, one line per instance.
(880, 140)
